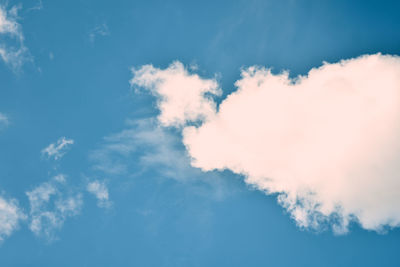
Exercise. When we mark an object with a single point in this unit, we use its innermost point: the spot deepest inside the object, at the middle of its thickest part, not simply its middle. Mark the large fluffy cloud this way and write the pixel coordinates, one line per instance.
(326, 143)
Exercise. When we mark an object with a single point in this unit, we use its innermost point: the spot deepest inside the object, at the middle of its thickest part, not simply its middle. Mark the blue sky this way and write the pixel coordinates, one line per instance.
(91, 176)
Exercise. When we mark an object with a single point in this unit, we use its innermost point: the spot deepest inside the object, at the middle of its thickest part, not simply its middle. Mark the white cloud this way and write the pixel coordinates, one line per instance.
(182, 96)
(326, 143)
(50, 205)
(12, 49)
(10, 216)
(8, 23)
(58, 149)
(100, 191)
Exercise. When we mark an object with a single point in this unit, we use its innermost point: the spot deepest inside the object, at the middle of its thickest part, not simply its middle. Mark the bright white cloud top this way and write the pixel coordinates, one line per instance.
(58, 149)
(10, 216)
(326, 143)
(182, 95)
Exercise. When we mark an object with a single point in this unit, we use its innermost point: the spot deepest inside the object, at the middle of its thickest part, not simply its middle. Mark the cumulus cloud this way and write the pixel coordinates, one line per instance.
(182, 96)
(50, 205)
(325, 143)
(10, 216)
(100, 191)
(12, 49)
(58, 149)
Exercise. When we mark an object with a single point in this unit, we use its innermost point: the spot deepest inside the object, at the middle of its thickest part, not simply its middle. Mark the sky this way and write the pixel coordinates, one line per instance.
(199, 133)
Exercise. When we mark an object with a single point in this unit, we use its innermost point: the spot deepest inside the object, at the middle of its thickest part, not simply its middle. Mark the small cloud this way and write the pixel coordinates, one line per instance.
(38, 6)
(100, 191)
(3, 120)
(60, 178)
(50, 205)
(10, 216)
(12, 49)
(100, 30)
(58, 149)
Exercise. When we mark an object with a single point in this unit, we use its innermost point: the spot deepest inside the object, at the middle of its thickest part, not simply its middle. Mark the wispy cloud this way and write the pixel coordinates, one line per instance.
(99, 30)
(10, 217)
(144, 146)
(3, 120)
(58, 149)
(326, 143)
(100, 191)
(12, 49)
(37, 6)
(147, 142)
(51, 203)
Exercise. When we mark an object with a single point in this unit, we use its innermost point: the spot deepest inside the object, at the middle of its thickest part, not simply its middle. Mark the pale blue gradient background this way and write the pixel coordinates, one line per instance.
(83, 93)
